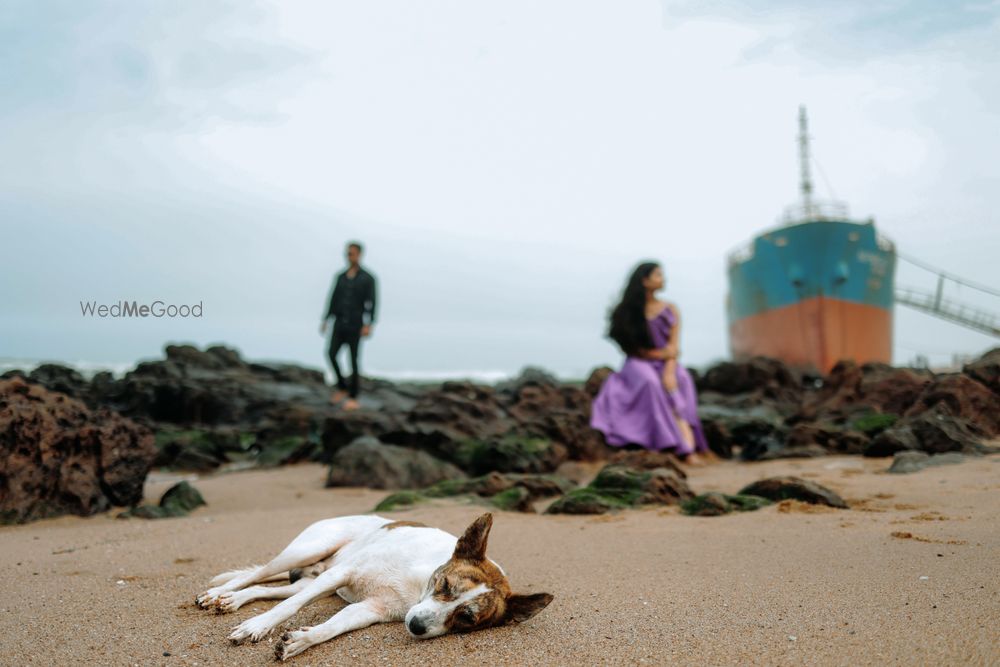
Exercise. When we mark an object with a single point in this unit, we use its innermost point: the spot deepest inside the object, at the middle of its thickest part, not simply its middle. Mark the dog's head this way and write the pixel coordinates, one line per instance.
(469, 592)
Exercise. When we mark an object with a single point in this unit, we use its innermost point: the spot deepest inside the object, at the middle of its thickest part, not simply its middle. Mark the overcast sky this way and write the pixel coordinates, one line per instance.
(506, 164)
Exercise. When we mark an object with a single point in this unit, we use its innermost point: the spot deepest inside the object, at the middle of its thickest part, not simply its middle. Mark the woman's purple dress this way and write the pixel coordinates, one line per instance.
(634, 407)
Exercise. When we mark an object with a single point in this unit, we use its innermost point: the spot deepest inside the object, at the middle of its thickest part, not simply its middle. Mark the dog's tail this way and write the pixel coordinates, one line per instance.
(226, 576)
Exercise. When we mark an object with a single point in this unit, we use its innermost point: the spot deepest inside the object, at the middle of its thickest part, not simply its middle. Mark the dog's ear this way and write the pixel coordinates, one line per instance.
(522, 607)
(472, 544)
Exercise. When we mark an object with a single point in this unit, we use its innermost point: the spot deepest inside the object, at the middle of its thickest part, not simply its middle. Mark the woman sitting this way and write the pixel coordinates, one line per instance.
(651, 401)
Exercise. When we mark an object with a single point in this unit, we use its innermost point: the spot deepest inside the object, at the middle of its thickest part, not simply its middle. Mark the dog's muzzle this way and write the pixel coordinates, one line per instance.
(416, 626)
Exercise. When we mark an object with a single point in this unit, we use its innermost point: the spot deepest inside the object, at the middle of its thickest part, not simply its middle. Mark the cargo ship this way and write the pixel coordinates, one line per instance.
(816, 289)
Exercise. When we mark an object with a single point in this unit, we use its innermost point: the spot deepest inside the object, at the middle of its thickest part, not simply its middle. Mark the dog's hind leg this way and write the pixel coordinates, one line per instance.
(260, 626)
(233, 600)
(313, 544)
(352, 617)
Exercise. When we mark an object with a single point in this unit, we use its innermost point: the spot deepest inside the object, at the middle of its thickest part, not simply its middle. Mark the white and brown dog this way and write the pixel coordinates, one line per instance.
(388, 571)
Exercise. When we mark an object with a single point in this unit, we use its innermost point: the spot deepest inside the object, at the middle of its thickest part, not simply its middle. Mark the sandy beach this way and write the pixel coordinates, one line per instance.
(910, 575)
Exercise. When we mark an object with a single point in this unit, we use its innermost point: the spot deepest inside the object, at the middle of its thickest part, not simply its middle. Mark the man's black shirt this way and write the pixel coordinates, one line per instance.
(352, 298)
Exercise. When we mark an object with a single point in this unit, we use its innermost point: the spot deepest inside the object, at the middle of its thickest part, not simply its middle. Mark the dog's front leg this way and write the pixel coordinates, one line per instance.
(353, 616)
(234, 600)
(261, 625)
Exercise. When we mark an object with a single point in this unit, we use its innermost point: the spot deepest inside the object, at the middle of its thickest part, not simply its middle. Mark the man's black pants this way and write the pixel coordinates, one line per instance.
(352, 337)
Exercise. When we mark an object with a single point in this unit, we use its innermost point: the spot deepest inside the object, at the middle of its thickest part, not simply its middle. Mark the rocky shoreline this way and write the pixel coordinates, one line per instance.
(77, 446)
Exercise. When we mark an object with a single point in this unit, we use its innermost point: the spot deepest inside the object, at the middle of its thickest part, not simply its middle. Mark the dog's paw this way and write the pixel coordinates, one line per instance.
(208, 599)
(253, 629)
(228, 603)
(292, 643)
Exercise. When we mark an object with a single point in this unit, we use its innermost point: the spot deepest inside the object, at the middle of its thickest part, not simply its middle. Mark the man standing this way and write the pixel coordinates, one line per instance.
(352, 302)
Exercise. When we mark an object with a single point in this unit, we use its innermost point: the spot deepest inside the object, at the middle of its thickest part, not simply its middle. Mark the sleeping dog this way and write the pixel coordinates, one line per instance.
(387, 571)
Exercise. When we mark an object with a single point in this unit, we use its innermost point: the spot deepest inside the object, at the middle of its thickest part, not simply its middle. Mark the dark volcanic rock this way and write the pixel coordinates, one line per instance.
(740, 377)
(368, 462)
(60, 378)
(933, 431)
(851, 390)
(961, 396)
(758, 439)
(986, 369)
(596, 380)
(179, 500)
(781, 488)
(59, 457)
(831, 438)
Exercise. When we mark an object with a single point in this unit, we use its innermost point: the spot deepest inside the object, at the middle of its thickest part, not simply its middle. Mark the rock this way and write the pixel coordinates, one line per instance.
(509, 453)
(912, 461)
(179, 500)
(538, 486)
(781, 488)
(795, 452)
(617, 486)
(715, 503)
(768, 377)
(514, 499)
(644, 459)
(60, 378)
(986, 369)
(59, 457)
(596, 380)
(828, 437)
(368, 462)
(529, 376)
(758, 438)
(512, 492)
(586, 501)
(873, 423)
(934, 431)
(851, 390)
(961, 396)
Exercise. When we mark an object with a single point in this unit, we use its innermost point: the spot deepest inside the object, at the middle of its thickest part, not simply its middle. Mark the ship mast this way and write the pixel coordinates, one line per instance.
(806, 181)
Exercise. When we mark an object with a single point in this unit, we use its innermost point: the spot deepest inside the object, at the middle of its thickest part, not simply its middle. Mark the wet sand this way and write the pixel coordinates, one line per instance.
(910, 575)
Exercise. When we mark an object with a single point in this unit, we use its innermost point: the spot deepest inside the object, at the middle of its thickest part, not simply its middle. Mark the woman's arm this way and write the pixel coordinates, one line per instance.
(673, 349)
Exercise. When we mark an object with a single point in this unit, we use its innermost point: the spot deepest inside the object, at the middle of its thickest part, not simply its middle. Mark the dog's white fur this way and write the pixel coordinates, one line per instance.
(382, 573)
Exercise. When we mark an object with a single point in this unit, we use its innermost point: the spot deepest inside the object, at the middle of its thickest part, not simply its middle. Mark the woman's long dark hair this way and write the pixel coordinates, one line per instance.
(629, 327)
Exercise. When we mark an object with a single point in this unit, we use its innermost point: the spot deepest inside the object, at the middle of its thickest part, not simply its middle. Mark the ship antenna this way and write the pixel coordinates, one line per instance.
(806, 185)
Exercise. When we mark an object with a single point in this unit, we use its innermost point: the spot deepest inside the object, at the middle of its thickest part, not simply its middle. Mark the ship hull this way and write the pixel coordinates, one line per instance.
(816, 332)
(812, 294)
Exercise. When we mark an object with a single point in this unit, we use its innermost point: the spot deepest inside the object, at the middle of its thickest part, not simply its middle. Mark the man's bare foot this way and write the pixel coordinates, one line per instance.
(351, 404)
(338, 396)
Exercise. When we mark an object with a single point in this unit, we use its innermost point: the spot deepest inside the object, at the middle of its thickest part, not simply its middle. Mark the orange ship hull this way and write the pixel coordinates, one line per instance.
(817, 332)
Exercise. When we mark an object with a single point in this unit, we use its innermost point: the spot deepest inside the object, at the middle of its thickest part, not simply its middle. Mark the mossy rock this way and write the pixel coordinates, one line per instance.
(587, 500)
(715, 503)
(509, 453)
(191, 449)
(400, 499)
(490, 484)
(284, 449)
(179, 500)
(514, 499)
(874, 423)
(617, 486)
